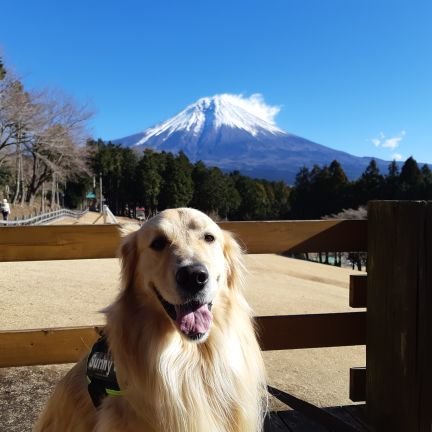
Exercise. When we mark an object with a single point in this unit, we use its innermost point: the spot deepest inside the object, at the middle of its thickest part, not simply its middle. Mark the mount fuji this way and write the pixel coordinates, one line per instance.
(237, 133)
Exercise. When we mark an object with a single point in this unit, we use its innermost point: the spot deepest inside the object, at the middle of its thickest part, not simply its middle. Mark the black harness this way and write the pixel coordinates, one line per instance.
(101, 375)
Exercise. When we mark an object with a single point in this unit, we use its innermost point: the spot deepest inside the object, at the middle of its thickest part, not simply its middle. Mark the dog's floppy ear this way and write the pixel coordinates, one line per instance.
(129, 256)
(234, 258)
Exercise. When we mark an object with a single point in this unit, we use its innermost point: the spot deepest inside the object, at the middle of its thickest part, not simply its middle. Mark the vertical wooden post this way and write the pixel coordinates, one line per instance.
(100, 193)
(399, 316)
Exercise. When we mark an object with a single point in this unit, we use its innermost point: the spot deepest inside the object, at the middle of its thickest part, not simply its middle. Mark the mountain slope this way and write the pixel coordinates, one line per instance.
(232, 132)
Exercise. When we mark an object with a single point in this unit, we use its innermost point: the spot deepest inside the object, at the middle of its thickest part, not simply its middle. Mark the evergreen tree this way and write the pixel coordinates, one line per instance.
(199, 176)
(209, 189)
(319, 192)
(320, 188)
(232, 199)
(149, 179)
(281, 204)
(177, 189)
(427, 182)
(128, 181)
(107, 160)
(392, 182)
(254, 200)
(411, 180)
(337, 187)
(300, 202)
(370, 185)
(76, 191)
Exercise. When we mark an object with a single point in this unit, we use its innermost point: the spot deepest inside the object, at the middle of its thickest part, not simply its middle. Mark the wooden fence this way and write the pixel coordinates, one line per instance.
(397, 328)
(46, 346)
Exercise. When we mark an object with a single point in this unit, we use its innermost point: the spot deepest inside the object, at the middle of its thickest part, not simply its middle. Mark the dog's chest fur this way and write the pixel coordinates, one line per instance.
(182, 386)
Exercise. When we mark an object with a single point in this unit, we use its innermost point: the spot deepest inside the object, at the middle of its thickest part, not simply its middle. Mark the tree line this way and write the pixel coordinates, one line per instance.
(321, 191)
(161, 180)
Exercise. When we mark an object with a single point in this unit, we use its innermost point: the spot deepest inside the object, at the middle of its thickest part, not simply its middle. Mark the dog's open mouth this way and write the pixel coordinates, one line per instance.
(193, 318)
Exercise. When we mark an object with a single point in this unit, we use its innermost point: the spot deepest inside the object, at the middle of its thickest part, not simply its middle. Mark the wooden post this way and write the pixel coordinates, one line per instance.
(399, 316)
(43, 198)
(100, 193)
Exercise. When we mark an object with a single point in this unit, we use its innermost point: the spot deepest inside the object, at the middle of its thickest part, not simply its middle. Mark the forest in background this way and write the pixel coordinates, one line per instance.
(162, 180)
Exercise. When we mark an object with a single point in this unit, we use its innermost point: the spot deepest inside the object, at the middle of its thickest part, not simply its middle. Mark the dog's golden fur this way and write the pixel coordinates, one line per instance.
(171, 383)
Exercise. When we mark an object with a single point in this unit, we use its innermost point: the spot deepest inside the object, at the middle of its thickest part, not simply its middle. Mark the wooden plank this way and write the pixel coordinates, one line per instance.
(357, 385)
(50, 346)
(273, 423)
(359, 413)
(301, 236)
(36, 243)
(312, 330)
(352, 415)
(398, 319)
(425, 326)
(296, 421)
(358, 291)
(317, 418)
(64, 345)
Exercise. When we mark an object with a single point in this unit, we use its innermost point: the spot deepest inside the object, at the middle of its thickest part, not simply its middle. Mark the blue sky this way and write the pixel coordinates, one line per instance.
(355, 75)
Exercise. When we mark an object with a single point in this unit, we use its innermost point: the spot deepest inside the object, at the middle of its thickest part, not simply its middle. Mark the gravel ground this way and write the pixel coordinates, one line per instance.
(69, 293)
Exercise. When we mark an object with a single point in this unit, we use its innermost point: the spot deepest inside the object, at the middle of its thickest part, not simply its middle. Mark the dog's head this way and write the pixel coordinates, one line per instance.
(185, 261)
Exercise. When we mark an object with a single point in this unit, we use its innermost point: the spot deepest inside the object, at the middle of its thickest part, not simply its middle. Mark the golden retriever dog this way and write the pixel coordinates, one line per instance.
(180, 335)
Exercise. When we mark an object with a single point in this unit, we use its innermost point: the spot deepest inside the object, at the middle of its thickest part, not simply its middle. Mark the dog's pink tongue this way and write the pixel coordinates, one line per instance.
(193, 319)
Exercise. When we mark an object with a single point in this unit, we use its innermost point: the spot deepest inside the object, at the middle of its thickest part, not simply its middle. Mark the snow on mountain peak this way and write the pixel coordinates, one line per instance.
(250, 114)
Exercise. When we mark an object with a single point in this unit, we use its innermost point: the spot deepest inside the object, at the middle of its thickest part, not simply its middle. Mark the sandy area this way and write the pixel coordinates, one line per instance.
(68, 293)
(89, 218)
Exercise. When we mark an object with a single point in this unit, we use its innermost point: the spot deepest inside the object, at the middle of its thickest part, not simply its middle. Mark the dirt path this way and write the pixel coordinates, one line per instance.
(90, 218)
(68, 293)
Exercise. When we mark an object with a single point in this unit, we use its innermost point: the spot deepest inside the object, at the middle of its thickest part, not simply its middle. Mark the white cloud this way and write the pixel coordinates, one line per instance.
(391, 143)
(397, 156)
(256, 105)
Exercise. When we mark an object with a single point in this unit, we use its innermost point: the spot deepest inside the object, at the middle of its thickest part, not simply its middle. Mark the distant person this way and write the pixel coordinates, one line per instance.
(5, 209)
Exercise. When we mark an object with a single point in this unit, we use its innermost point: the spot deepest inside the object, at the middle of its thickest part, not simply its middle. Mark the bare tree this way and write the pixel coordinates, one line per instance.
(42, 136)
(17, 113)
(56, 150)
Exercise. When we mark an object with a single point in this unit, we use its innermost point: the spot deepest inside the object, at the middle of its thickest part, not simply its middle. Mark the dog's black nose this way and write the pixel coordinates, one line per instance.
(192, 278)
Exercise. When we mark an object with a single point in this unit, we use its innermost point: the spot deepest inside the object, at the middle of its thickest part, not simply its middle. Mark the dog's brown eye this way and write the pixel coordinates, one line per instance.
(159, 243)
(209, 238)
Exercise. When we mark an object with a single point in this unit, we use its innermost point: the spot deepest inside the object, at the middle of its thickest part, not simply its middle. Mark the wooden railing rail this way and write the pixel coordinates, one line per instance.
(66, 345)
(36, 243)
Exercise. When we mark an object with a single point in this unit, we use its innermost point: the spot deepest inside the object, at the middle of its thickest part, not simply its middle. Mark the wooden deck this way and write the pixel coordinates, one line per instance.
(350, 418)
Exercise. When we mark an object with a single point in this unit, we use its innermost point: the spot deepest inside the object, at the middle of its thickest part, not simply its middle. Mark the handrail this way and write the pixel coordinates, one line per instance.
(44, 217)
(66, 345)
(56, 242)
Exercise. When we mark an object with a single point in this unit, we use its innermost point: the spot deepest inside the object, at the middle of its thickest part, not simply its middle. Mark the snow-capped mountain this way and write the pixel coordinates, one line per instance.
(233, 132)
